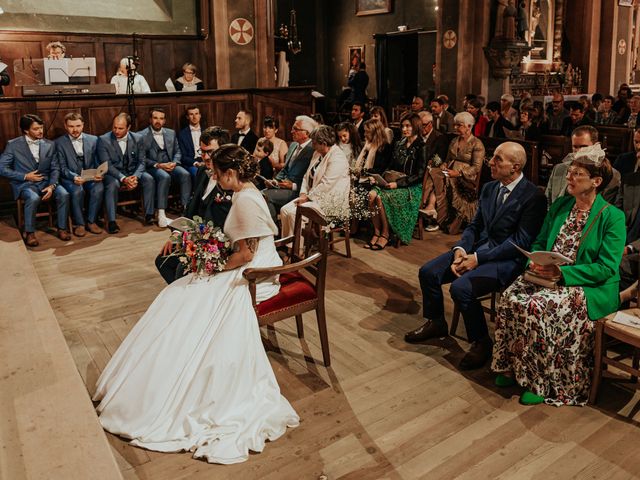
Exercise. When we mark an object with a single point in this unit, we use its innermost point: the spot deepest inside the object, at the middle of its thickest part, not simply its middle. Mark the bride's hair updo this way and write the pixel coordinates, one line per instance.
(233, 157)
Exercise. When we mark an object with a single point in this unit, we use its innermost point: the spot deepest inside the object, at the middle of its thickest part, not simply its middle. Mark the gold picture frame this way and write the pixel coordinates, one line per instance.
(373, 7)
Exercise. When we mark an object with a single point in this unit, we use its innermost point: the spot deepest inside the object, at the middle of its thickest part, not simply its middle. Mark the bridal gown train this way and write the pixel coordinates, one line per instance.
(192, 374)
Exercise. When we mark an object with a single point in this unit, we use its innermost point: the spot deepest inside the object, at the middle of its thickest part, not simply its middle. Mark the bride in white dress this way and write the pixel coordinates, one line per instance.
(192, 374)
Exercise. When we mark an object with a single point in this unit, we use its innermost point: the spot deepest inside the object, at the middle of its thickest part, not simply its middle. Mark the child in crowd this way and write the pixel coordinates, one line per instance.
(264, 148)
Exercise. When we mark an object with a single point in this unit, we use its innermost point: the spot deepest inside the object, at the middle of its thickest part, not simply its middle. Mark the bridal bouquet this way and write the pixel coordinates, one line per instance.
(201, 247)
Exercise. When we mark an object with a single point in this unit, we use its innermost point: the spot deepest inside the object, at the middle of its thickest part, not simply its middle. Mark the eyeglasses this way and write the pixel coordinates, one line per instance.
(209, 152)
(425, 125)
(298, 129)
(575, 173)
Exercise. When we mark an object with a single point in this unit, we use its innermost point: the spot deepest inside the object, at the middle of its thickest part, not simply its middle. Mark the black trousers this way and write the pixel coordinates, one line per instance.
(170, 268)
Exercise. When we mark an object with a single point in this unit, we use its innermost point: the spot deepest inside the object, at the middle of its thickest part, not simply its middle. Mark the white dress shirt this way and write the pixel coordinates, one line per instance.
(210, 186)
(242, 134)
(34, 147)
(122, 143)
(76, 143)
(140, 84)
(159, 137)
(195, 136)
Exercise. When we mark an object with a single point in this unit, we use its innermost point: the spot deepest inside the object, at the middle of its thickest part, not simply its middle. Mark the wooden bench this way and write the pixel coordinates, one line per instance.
(49, 428)
(531, 148)
(615, 140)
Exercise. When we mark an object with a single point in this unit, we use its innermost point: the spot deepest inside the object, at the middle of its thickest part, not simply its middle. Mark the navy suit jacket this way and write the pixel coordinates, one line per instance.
(16, 161)
(249, 141)
(120, 166)
(493, 228)
(294, 170)
(625, 163)
(187, 148)
(153, 151)
(68, 160)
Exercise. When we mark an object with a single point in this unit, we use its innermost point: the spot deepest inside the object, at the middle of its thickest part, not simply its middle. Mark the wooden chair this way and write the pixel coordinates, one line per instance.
(531, 148)
(609, 333)
(491, 310)
(128, 198)
(49, 204)
(346, 238)
(615, 140)
(557, 146)
(302, 281)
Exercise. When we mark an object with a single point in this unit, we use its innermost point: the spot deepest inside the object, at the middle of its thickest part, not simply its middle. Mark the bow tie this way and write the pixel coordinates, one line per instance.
(242, 134)
(33, 142)
(77, 140)
(195, 129)
(158, 134)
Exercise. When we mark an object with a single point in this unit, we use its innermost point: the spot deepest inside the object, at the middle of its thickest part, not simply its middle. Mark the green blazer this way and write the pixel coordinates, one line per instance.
(599, 254)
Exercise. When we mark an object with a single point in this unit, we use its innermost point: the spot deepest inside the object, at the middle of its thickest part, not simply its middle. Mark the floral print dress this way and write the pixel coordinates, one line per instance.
(544, 335)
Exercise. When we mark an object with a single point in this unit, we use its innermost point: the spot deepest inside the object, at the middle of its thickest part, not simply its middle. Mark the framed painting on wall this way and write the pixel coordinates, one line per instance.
(356, 56)
(372, 7)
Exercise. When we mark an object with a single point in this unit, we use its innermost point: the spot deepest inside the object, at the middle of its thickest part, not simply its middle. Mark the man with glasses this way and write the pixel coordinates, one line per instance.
(209, 201)
(557, 114)
(285, 187)
(582, 137)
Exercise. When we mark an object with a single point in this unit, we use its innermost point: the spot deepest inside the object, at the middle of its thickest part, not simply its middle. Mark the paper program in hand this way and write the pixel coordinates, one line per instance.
(545, 258)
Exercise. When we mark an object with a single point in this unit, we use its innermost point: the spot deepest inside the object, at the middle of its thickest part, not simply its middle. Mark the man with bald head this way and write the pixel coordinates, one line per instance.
(510, 211)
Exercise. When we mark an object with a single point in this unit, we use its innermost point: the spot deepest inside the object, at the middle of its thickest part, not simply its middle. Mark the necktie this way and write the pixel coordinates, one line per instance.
(501, 193)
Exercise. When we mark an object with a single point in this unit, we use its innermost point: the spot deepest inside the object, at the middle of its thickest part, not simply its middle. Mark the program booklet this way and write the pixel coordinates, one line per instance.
(89, 174)
(545, 258)
(182, 224)
(627, 319)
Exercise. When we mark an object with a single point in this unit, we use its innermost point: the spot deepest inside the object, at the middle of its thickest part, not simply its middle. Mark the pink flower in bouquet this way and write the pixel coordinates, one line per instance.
(209, 267)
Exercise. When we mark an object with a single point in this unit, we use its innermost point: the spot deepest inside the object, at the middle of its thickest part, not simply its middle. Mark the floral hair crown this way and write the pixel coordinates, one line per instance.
(592, 155)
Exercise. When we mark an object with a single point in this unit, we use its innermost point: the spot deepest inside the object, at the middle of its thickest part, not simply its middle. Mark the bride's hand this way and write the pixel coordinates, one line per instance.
(166, 248)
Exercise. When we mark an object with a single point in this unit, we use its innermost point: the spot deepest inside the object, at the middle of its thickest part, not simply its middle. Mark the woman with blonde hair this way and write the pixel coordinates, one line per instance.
(188, 82)
(378, 113)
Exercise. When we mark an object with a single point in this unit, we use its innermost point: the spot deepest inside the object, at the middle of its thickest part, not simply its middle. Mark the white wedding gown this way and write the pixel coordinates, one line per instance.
(192, 374)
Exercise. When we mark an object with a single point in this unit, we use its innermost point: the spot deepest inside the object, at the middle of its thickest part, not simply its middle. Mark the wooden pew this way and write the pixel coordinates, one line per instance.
(531, 148)
(615, 140)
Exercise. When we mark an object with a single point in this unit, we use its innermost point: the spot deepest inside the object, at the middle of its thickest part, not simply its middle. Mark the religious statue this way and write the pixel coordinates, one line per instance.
(509, 25)
(502, 5)
(523, 21)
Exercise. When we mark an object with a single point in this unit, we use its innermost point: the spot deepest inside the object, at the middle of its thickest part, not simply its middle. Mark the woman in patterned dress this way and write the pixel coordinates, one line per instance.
(452, 187)
(545, 336)
(395, 207)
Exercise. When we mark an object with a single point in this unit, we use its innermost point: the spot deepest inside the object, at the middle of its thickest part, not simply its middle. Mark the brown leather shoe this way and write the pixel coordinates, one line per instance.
(93, 228)
(79, 231)
(64, 235)
(479, 353)
(429, 330)
(31, 240)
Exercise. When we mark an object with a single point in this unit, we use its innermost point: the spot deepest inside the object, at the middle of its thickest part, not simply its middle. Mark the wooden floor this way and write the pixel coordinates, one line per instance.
(384, 410)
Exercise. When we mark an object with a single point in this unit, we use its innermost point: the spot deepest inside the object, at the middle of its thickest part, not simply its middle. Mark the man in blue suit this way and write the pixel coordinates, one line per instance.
(628, 162)
(286, 186)
(76, 152)
(511, 210)
(30, 163)
(126, 156)
(189, 140)
(163, 157)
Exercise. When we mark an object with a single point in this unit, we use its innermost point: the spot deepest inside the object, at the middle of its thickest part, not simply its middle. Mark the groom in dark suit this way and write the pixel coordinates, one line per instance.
(510, 209)
(286, 186)
(209, 200)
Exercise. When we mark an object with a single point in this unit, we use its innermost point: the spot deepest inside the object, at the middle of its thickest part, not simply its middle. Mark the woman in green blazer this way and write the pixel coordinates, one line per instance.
(545, 334)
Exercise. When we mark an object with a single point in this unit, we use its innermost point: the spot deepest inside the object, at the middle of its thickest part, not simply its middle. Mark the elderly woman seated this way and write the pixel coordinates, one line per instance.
(327, 181)
(451, 187)
(394, 204)
(188, 82)
(545, 324)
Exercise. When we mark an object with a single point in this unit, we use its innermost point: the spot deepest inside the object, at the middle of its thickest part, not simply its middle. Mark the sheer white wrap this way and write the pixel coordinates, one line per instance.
(192, 374)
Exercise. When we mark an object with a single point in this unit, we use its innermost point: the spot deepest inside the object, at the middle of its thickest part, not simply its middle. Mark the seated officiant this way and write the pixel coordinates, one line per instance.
(326, 182)
(163, 158)
(188, 82)
(510, 211)
(209, 200)
(126, 156)
(76, 152)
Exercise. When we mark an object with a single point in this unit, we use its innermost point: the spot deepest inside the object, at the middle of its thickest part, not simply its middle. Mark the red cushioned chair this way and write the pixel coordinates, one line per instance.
(302, 281)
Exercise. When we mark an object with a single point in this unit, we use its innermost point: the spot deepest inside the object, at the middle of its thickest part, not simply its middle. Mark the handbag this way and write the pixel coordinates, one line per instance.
(393, 175)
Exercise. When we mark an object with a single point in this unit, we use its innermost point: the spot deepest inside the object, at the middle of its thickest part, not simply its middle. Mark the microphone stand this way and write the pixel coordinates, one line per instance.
(132, 64)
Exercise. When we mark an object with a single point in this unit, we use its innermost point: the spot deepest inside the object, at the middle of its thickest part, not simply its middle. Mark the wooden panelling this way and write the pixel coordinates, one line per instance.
(160, 58)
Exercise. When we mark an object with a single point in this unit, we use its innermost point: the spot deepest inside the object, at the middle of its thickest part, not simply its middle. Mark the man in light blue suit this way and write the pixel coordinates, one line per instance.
(163, 162)
(125, 153)
(510, 212)
(30, 163)
(76, 152)
(286, 186)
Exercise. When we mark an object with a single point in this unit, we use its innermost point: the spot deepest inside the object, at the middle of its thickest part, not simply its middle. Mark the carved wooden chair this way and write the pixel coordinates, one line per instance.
(302, 280)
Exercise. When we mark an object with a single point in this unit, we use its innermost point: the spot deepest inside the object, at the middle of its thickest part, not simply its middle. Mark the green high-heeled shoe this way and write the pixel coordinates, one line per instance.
(503, 381)
(530, 398)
